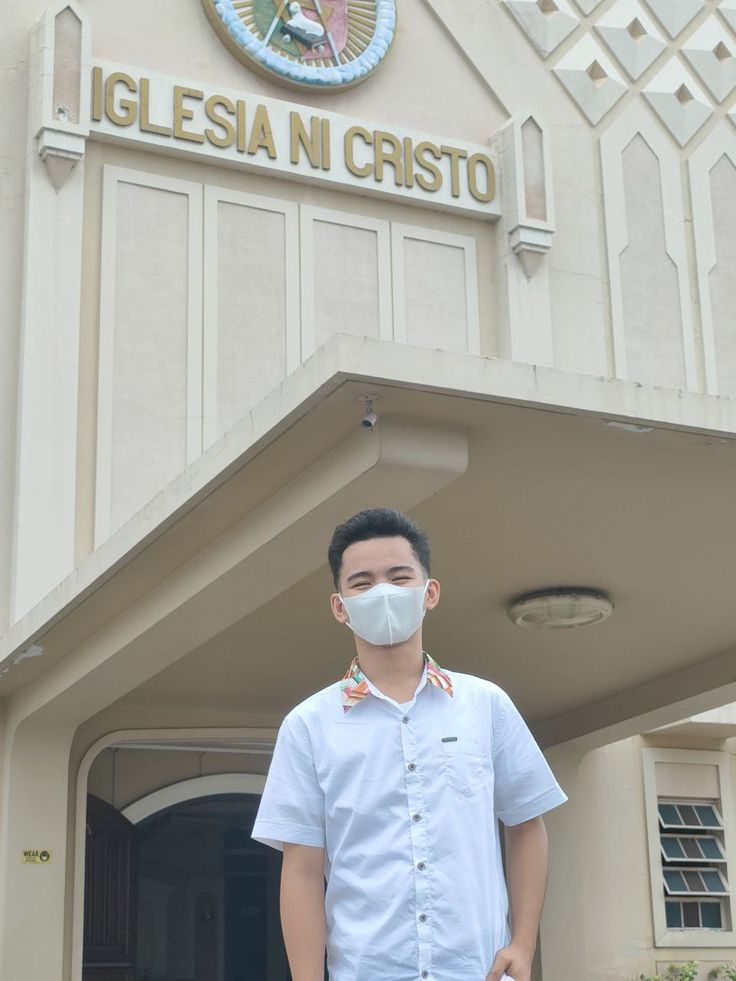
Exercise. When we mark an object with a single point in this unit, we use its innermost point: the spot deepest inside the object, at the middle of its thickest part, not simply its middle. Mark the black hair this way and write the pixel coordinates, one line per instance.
(376, 523)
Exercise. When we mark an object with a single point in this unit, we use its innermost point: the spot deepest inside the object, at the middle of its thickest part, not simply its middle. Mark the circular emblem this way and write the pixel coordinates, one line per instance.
(313, 44)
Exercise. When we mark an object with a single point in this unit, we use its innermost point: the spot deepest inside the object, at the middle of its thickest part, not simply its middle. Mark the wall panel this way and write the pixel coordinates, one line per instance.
(346, 276)
(652, 316)
(723, 274)
(251, 329)
(149, 416)
(435, 289)
(713, 191)
(651, 302)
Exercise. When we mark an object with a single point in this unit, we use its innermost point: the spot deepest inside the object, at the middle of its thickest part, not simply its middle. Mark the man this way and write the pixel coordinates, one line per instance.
(390, 783)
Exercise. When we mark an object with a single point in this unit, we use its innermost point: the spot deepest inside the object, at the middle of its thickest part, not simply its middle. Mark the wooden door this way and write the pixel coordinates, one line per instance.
(109, 895)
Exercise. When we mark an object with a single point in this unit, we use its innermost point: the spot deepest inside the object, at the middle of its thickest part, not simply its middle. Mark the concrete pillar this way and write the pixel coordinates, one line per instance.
(32, 896)
(562, 932)
(59, 73)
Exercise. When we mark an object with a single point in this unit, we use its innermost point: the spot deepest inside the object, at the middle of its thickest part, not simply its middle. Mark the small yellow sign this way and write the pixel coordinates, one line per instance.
(35, 856)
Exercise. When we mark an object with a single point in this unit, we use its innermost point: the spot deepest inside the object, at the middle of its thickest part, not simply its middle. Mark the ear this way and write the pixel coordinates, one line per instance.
(338, 609)
(432, 596)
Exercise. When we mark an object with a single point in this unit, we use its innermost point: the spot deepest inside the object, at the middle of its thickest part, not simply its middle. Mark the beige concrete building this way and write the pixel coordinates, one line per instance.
(223, 225)
(636, 834)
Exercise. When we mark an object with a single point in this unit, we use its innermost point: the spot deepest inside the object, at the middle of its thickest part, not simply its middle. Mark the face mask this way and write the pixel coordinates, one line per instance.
(386, 614)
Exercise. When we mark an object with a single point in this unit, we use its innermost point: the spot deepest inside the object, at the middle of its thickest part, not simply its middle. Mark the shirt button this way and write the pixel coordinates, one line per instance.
(421, 866)
(425, 974)
(405, 718)
(416, 817)
(422, 917)
(412, 767)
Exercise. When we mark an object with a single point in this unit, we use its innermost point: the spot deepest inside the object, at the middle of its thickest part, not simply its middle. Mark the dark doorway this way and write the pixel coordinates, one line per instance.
(246, 901)
(202, 896)
(109, 895)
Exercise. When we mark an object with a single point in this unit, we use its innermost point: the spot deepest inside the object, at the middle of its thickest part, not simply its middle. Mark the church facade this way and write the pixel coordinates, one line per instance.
(265, 264)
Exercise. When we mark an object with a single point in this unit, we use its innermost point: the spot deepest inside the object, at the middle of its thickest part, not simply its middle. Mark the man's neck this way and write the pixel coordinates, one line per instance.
(396, 670)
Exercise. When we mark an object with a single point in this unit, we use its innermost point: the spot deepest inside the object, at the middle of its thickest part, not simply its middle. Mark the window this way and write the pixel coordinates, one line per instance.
(693, 916)
(688, 863)
(694, 882)
(691, 849)
(690, 814)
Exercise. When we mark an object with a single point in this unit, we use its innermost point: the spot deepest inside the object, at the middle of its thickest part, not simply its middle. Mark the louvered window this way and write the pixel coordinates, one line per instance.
(693, 864)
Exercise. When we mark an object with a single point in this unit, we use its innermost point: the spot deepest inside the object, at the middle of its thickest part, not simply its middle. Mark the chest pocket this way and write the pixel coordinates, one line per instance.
(464, 767)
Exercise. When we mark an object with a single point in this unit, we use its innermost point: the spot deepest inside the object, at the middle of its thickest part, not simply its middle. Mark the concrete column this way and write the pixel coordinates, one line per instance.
(43, 549)
(32, 896)
(527, 229)
(562, 932)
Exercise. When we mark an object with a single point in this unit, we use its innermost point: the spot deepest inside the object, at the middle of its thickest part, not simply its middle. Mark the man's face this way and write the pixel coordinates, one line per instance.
(392, 560)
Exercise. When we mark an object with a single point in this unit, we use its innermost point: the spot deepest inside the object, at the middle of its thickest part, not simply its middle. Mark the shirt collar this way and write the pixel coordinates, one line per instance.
(354, 684)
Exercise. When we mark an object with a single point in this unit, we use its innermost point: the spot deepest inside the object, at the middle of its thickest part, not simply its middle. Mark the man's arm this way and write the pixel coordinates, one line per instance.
(303, 910)
(526, 861)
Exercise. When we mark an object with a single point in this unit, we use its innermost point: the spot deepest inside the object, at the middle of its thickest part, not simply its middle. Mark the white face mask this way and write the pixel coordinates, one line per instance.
(385, 614)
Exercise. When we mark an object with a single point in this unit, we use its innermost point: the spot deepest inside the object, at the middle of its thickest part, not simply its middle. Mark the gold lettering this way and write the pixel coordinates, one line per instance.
(456, 155)
(350, 163)
(420, 155)
(240, 108)
(146, 125)
(326, 150)
(128, 106)
(182, 113)
(300, 137)
(261, 135)
(97, 94)
(392, 156)
(490, 191)
(408, 162)
(210, 108)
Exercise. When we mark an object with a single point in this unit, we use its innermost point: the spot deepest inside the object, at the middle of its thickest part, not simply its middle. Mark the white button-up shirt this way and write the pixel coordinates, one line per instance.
(405, 800)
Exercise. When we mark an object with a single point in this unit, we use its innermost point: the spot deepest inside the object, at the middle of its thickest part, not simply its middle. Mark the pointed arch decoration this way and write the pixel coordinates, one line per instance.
(632, 130)
(712, 171)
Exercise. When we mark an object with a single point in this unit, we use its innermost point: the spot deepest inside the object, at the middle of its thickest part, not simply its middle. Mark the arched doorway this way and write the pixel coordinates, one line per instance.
(183, 895)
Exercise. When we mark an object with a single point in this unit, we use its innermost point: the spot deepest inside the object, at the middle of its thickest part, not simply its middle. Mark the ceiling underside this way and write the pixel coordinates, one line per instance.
(548, 499)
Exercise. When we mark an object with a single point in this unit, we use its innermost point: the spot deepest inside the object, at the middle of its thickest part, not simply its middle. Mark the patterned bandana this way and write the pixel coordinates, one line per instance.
(354, 686)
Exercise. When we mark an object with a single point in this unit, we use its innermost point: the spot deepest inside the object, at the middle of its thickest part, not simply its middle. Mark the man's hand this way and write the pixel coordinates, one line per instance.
(514, 961)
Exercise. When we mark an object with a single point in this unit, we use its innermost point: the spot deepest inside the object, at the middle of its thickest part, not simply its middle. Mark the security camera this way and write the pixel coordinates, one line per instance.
(370, 418)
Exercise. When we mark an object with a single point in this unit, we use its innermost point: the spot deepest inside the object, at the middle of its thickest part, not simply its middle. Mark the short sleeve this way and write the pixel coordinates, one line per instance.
(524, 785)
(292, 806)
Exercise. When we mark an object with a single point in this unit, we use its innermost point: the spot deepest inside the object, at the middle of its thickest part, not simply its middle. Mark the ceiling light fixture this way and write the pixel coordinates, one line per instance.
(560, 608)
